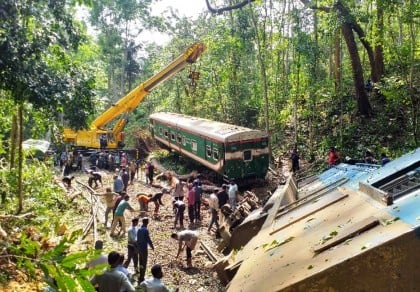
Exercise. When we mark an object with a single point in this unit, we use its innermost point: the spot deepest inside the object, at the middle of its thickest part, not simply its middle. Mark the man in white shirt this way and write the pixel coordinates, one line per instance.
(214, 206)
(186, 238)
(154, 284)
(233, 188)
(132, 250)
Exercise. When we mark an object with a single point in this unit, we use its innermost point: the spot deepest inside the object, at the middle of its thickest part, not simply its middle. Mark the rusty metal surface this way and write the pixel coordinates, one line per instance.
(315, 246)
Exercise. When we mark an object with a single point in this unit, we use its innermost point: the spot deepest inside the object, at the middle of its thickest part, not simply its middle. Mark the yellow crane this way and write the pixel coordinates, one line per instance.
(97, 136)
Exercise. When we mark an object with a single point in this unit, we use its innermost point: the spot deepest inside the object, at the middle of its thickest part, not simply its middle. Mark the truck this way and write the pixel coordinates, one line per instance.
(98, 136)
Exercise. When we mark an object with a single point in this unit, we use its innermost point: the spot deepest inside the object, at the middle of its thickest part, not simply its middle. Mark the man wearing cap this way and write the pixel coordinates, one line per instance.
(143, 240)
(132, 251)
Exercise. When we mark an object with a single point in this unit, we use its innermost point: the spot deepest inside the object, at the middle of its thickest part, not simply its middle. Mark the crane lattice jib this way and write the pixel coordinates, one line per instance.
(129, 102)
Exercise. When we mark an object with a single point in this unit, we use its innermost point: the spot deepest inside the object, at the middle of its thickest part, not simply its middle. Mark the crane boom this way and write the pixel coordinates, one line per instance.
(91, 138)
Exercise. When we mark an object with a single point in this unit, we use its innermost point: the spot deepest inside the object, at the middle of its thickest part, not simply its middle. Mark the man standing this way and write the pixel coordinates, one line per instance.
(186, 238)
(112, 280)
(79, 162)
(125, 177)
(119, 214)
(150, 171)
(295, 160)
(118, 185)
(133, 169)
(214, 206)
(223, 196)
(143, 240)
(191, 203)
(233, 188)
(198, 191)
(132, 252)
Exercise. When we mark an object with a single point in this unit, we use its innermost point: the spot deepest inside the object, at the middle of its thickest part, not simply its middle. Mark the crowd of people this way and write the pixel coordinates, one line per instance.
(118, 199)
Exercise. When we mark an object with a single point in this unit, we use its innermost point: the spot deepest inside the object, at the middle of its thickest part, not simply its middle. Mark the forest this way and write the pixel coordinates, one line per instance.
(311, 73)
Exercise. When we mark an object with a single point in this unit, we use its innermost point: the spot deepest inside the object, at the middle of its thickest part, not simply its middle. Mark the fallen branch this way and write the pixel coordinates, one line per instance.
(92, 191)
(27, 215)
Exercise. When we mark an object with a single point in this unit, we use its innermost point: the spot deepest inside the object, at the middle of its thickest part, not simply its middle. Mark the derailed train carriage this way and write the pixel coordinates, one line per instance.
(231, 151)
(351, 228)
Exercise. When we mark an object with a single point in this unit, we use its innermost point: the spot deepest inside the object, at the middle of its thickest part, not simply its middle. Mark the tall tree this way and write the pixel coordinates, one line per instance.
(119, 24)
(348, 27)
(36, 41)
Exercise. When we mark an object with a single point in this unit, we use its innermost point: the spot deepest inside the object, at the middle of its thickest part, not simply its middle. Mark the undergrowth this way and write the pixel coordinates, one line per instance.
(38, 242)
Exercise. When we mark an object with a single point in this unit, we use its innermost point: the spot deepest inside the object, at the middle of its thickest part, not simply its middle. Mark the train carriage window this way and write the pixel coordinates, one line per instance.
(166, 133)
(247, 155)
(183, 140)
(172, 136)
(160, 131)
(179, 139)
(208, 151)
(216, 154)
(193, 145)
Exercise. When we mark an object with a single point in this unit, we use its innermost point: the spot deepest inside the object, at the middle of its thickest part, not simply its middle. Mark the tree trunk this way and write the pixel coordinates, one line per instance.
(337, 63)
(378, 51)
(261, 47)
(361, 95)
(20, 158)
(413, 79)
(347, 27)
(13, 141)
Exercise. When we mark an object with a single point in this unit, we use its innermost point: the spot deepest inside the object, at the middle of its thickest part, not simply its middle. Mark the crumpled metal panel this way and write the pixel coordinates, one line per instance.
(287, 254)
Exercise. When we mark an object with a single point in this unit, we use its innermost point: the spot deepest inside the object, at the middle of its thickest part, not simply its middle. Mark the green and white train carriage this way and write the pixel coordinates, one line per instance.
(232, 151)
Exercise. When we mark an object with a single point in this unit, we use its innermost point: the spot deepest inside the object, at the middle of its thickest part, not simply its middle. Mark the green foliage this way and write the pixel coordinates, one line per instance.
(33, 247)
(173, 161)
(36, 41)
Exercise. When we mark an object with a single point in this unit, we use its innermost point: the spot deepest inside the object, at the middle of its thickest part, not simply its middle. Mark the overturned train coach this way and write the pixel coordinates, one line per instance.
(231, 151)
(350, 228)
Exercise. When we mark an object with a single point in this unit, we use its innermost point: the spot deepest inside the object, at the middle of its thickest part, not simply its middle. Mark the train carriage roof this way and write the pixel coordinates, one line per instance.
(215, 130)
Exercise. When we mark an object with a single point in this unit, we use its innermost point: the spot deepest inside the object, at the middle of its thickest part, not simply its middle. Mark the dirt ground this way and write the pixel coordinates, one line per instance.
(176, 275)
(199, 278)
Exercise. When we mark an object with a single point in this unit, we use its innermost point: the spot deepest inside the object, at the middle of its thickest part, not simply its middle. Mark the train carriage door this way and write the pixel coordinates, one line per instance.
(208, 150)
(178, 140)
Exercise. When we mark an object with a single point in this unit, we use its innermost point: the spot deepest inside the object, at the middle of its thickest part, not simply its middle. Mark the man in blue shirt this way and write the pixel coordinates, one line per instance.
(118, 186)
(143, 240)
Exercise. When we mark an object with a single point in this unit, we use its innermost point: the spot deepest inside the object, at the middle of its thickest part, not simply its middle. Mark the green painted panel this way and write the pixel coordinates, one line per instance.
(212, 151)
(257, 167)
